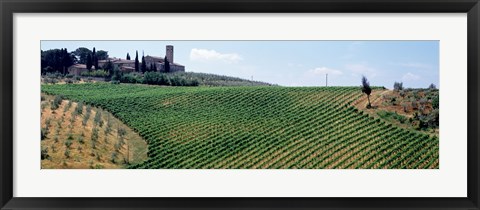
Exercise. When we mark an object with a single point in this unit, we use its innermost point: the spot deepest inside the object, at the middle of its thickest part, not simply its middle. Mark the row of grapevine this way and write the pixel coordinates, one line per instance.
(256, 127)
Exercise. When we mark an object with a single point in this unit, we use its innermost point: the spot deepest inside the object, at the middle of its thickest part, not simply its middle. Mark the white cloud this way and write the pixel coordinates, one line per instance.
(324, 70)
(361, 69)
(212, 55)
(410, 77)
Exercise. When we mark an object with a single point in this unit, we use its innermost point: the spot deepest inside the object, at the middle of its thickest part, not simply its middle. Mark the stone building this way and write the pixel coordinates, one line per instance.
(77, 69)
(160, 61)
(122, 64)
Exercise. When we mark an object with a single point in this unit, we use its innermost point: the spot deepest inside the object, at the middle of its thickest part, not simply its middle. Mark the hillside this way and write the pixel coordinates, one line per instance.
(219, 80)
(413, 109)
(256, 127)
(171, 79)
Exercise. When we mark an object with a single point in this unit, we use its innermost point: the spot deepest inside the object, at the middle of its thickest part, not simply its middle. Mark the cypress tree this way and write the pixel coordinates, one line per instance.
(94, 59)
(89, 61)
(136, 61)
(144, 65)
(66, 60)
(128, 56)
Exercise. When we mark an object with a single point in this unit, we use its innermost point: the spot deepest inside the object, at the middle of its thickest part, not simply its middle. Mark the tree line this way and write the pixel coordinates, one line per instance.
(58, 60)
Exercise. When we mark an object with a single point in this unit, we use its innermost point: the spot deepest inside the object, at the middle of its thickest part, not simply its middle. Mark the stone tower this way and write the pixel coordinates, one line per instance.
(169, 51)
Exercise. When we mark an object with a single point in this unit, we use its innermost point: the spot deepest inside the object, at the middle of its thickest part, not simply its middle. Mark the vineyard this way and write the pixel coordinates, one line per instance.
(256, 127)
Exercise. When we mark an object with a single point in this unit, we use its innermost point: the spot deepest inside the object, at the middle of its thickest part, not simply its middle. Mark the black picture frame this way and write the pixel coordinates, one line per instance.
(10, 7)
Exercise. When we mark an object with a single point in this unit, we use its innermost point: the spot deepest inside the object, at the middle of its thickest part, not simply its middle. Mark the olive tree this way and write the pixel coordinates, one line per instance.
(367, 90)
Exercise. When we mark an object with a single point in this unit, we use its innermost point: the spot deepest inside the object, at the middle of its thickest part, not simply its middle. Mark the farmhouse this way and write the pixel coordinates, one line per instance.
(122, 64)
(77, 69)
(127, 66)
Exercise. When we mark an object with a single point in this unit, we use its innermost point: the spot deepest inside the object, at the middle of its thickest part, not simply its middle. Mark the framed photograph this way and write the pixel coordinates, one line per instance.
(239, 105)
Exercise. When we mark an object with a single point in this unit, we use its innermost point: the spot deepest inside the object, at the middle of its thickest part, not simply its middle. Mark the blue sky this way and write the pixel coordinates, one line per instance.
(292, 63)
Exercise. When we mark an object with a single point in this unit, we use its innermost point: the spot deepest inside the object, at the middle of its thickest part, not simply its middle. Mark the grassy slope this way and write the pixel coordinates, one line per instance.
(256, 127)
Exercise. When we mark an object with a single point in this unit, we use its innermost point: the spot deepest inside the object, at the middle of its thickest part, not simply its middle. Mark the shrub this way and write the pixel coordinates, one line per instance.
(80, 139)
(113, 158)
(98, 118)
(56, 102)
(117, 146)
(72, 119)
(423, 101)
(86, 116)
(405, 107)
(95, 73)
(99, 157)
(436, 102)
(95, 134)
(44, 153)
(79, 109)
(121, 132)
(55, 75)
(392, 116)
(157, 78)
(67, 107)
(68, 143)
(47, 122)
(414, 105)
(43, 134)
(67, 153)
(131, 78)
(393, 101)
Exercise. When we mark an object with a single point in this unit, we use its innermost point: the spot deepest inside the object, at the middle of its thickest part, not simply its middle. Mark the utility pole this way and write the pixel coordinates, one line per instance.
(326, 80)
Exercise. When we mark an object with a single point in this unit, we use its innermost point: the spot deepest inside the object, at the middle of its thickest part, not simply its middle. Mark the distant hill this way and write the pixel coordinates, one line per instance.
(176, 79)
(220, 80)
(257, 127)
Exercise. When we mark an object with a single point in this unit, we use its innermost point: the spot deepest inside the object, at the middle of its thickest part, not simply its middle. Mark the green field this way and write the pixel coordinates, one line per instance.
(256, 127)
